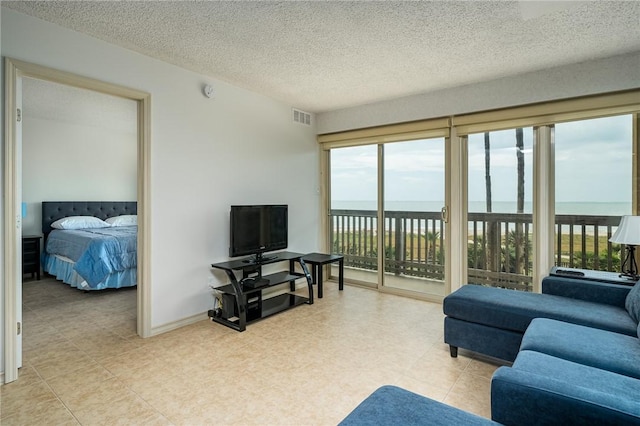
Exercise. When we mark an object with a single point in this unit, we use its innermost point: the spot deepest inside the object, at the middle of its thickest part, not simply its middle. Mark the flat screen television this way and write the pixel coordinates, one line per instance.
(258, 229)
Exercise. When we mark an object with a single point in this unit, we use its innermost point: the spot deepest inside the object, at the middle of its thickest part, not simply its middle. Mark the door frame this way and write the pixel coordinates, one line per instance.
(14, 71)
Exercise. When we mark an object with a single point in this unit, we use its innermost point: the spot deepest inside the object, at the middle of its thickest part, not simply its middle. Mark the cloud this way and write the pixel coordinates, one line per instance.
(361, 157)
(593, 162)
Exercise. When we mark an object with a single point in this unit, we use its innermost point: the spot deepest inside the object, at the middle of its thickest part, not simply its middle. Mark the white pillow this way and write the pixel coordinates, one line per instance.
(79, 222)
(123, 220)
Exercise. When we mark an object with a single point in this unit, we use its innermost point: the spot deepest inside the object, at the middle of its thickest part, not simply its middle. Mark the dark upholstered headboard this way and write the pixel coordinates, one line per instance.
(54, 210)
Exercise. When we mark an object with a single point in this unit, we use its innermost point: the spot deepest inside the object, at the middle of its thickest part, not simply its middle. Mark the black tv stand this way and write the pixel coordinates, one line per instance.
(243, 305)
(259, 259)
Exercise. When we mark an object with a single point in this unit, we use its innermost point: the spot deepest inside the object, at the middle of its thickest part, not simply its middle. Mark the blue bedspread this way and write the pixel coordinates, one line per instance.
(96, 252)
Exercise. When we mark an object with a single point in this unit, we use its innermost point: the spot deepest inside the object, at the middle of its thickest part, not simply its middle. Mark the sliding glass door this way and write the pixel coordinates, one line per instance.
(500, 223)
(414, 186)
(353, 216)
(404, 235)
(525, 189)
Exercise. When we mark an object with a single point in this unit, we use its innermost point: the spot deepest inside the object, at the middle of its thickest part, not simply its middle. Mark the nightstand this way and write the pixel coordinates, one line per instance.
(31, 255)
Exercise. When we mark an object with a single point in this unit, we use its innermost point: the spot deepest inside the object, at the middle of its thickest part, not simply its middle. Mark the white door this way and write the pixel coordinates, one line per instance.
(13, 227)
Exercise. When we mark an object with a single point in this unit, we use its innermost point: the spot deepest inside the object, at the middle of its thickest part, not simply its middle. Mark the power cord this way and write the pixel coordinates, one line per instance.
(217, 302)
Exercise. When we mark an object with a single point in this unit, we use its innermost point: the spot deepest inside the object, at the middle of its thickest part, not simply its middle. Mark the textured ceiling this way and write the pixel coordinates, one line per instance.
(321, 56)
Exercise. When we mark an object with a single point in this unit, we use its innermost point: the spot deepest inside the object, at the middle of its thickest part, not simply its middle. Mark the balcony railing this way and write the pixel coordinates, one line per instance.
(499, 245)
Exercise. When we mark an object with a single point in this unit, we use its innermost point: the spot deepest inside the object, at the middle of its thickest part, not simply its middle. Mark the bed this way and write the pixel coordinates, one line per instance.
(87, 254)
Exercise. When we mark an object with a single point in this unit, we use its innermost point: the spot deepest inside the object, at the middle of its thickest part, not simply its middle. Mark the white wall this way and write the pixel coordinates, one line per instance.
(63, 161)
(586, 78)
(206, 154)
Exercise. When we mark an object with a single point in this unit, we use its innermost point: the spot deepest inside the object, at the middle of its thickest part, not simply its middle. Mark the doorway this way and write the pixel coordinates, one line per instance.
(15, 72)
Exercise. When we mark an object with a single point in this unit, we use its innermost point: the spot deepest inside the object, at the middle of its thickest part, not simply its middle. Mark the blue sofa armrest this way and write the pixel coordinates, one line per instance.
(590, 291)
(391, 405)
(521, 397)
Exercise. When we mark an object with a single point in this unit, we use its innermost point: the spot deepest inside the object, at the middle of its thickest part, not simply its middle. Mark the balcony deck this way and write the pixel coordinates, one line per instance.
(499, 245)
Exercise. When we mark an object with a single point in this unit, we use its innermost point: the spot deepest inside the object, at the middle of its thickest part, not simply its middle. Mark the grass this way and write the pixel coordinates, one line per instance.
(565, 251)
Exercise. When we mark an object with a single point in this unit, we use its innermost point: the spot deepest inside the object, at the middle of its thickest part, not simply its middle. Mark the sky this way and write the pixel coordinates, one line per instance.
(593, 164)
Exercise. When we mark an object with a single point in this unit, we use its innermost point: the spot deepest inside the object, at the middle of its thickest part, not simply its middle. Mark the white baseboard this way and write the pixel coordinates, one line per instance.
(199, 317)
(178, 324)
(1, 378)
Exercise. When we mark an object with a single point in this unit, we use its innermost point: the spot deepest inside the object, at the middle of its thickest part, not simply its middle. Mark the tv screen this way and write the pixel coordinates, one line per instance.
(258, 229)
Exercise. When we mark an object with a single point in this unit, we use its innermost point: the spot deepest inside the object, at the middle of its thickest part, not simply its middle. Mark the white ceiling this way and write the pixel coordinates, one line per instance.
(322, 56)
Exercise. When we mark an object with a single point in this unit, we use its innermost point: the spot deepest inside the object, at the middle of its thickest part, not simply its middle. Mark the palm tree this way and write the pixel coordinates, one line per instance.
(519, 237)
(476, 253)
(431, 246)
(516, 245)
(493, 246)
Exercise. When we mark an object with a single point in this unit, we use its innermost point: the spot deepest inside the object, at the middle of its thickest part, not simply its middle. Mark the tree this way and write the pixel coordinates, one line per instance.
(493, 241)
(487, 169)
(510, 251)
(432, 249)
(520, 157)
(519, 238)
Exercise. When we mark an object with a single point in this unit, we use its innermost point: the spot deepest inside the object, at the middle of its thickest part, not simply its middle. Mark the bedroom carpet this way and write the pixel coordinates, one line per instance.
(312, 365)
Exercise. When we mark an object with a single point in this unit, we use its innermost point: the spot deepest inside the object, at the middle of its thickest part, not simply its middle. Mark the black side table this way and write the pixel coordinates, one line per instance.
(31, 255)
(317, 261)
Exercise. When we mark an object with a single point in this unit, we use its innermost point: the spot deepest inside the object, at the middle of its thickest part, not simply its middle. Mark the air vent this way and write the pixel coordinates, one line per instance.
(301, 117)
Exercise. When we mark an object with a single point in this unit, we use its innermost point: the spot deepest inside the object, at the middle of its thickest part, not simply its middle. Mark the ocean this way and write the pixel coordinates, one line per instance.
(562, 207)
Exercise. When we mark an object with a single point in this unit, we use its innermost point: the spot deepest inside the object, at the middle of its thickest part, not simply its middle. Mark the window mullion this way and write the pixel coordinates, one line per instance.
(381, 219)
(543, 203)
(456, 227)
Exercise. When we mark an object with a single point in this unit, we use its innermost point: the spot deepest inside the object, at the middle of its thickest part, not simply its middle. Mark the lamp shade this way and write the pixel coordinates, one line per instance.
(628, 231)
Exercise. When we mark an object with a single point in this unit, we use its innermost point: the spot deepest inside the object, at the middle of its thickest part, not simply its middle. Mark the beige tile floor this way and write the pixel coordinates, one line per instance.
(83, 362)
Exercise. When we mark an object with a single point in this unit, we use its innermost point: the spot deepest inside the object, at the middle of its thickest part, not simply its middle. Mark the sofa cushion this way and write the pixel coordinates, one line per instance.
(597, 348)
(632, 303)
(390, 405)
(541, 389)
(592, 379)
(583, 289)
(514, 310)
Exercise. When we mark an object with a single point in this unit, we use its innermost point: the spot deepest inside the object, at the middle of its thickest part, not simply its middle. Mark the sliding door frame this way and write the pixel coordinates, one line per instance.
(542, 117)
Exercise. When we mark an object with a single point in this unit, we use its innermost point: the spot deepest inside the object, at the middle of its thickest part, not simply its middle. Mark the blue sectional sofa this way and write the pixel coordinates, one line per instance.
(492, 321)
(576, 350)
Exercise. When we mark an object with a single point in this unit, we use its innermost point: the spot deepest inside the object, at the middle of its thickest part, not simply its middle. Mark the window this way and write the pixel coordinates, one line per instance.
(353, 227)
(500, 227)
(517, 181)
(593, 189)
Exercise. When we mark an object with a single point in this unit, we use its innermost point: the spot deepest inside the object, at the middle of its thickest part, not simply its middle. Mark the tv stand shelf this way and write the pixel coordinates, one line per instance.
(248, 304)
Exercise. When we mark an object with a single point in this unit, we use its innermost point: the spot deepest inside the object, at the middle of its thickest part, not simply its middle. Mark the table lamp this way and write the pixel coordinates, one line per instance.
(628, 233)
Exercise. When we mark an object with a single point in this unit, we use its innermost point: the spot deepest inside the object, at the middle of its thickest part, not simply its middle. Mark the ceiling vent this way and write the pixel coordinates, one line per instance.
(301, 117)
